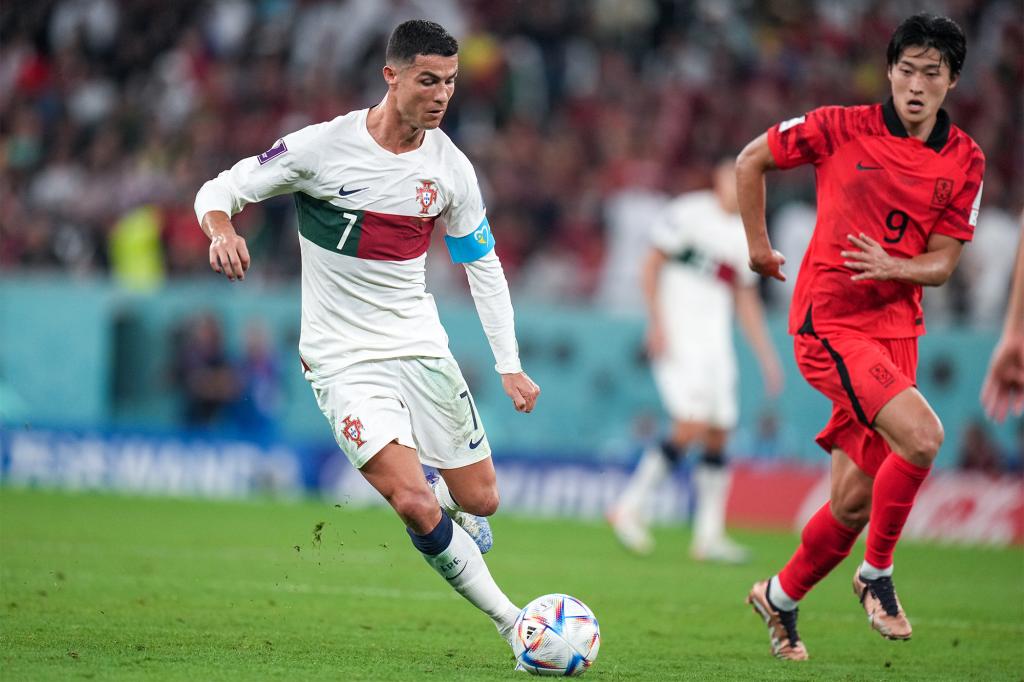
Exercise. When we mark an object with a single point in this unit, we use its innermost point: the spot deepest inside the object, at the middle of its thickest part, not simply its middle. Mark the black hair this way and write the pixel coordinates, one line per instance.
(418, 36)
(928, 31)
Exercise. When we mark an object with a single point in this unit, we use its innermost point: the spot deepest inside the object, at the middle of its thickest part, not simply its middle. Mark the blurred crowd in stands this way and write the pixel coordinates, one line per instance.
(219, 391)
(582, 117)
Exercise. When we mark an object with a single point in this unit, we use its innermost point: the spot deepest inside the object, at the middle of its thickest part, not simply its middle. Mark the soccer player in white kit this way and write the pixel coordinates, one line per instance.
(368, 188)
(694, 275)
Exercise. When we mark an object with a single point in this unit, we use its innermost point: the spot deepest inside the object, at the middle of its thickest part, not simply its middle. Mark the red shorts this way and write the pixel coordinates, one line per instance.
(859, 375)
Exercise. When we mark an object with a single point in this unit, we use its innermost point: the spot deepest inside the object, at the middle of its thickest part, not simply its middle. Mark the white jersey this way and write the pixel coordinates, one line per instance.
(706, 249)
(365, 218)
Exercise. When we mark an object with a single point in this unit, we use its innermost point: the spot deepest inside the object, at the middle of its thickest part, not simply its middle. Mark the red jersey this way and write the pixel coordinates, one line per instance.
(873, 178)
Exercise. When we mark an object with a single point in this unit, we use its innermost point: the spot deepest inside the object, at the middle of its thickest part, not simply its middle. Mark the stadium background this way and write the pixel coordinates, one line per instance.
(127, 367)
(581, 118)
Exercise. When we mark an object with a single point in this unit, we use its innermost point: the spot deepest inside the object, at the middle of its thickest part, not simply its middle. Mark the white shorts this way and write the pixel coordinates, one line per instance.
(422, 403)
(698, 386)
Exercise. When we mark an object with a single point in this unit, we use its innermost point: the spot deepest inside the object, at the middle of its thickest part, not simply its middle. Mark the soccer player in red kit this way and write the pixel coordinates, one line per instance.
(898, 193)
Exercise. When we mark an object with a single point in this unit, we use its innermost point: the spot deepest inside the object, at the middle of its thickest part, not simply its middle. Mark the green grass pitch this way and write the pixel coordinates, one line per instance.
(110, 588)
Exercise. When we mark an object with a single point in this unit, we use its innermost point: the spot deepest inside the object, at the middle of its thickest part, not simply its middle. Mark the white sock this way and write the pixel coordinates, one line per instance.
(712, 484)
(462, 565)
(778, 597)
(870, 572)
(444, 496)
(650, 472)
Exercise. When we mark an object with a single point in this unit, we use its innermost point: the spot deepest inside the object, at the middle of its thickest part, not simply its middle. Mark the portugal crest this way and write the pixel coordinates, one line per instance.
(352, 429)
(426, 194)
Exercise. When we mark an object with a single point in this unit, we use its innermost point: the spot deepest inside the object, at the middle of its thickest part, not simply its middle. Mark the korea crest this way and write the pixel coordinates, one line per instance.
(426, 195)
(352, 429)
(943, 192)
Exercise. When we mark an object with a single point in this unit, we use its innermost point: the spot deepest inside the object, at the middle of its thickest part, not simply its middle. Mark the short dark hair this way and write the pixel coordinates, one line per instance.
(418, 36)
(928, 31)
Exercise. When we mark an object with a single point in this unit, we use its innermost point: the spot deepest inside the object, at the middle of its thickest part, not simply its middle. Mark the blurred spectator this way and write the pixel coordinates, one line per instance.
(792, 227)
(259, 377)
(108, 105)
(978, 450)
(208, 382)
(988, 264)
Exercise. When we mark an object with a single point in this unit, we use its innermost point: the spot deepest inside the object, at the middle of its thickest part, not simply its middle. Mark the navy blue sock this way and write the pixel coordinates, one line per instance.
(713, 458)
(672, 453)
(437, 540)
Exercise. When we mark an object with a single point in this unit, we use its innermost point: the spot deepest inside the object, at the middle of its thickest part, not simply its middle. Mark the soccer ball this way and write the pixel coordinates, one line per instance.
(556, 635)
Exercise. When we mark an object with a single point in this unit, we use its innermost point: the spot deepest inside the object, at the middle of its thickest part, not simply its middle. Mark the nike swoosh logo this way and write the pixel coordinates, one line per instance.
(344, 193)
(474, 446)
(862, 167)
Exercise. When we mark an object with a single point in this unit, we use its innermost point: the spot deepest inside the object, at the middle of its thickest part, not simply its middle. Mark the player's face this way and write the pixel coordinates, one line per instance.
(423, 89)
(920, 81)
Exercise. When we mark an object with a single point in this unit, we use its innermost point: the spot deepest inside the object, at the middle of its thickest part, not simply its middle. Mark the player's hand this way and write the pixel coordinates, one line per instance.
(768, 264)
(871, 261)
(1003, 389)
(655, 340)
(521, 389)
(229, 254)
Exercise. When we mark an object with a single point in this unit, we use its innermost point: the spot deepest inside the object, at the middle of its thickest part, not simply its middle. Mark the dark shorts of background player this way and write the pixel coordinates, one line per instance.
(859, 374)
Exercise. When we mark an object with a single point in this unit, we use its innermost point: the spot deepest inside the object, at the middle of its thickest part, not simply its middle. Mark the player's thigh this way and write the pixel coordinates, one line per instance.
(448, 429)
(364, 411)
(474, 486)
(850, 499)
(911, 427)
(855, 372)
(395, 472)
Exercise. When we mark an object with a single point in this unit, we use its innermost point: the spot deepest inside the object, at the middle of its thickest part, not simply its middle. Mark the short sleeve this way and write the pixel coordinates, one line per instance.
(805, 139)
(961, 214)
(468, 233)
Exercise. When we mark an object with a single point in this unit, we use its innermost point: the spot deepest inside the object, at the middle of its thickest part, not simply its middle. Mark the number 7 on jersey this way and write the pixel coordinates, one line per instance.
(351, 218)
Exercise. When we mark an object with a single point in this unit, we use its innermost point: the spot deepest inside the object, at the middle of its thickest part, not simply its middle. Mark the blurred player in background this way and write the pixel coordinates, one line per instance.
(1003, 390)
(693, 277)
(368, 188)
(899, 189)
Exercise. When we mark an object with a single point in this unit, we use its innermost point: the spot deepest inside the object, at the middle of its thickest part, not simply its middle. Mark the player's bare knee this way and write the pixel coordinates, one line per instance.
(925, 442)
(418, 508)
(852, 511)
(485, 503)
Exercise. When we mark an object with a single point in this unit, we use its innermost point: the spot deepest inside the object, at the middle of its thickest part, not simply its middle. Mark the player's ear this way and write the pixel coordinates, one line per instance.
(390, 74)
(953, 80)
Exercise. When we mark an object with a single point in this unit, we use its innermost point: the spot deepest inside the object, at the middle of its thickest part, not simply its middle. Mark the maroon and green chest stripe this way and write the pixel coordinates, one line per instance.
(361, 233)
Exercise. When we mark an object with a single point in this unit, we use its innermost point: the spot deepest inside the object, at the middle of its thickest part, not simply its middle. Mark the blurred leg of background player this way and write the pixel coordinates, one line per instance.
(630, 517)
(711, 478)
(396, 473)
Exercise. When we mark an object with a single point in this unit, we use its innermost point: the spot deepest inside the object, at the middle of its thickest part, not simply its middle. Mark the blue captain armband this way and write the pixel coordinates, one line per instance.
(472, 246)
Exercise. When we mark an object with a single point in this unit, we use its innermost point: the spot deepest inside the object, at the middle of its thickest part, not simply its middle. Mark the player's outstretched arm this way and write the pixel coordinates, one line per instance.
(228, 252)
(931, 268)
(1003, 389)
(751, 165)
